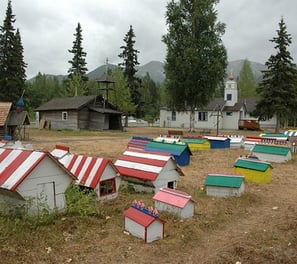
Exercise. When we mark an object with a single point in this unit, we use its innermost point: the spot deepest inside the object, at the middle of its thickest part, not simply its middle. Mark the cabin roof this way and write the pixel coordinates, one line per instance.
(4, 112)
(175, 149)
(141, 217)
(271, 149)
(224, 180)
(87, 170)
(17, 164)
(67, 103)
(173, 197)
(252, 164)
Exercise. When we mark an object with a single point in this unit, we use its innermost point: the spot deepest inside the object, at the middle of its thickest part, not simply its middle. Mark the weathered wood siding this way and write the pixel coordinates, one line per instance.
(98, 121)
(56, 122)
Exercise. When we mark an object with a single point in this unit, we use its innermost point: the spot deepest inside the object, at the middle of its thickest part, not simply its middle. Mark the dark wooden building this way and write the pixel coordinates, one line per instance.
(91, 112)
(13, 122)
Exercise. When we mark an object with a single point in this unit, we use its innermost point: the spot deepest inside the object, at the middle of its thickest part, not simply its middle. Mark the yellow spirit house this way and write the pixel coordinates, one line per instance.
(254, 170)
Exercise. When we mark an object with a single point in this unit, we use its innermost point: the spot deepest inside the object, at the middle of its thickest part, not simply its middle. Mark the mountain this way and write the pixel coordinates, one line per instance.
(156, 70)
(235, 68)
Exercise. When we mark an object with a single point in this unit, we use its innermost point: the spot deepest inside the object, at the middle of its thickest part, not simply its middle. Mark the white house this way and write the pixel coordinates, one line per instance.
(144, 223)
(95, 173)
(148, 171)
(32, 179)
(222, 113)
(174, 201)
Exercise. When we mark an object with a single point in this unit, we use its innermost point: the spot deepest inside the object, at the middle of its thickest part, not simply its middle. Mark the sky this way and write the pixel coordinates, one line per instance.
(47, 30)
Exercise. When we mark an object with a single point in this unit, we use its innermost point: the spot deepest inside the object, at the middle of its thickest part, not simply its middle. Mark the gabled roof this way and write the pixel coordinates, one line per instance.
(139, 142)
(173, 197)
(218, 104)
(18, 118)
(143, 165)
(224, 180)
(271, 149)
(4, 112)
(87, 170)
(140, 217)
(174, 149)
(67, 103)
(252, 164)
(17, 164)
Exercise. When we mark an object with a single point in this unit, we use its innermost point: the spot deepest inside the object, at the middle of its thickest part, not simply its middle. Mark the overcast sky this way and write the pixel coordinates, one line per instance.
(47, 28)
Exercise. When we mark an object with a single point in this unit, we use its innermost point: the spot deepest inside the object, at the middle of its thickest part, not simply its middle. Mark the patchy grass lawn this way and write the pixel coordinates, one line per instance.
(259, 227)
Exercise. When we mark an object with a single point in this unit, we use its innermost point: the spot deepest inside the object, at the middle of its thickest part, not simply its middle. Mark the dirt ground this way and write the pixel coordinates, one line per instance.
(259, 227)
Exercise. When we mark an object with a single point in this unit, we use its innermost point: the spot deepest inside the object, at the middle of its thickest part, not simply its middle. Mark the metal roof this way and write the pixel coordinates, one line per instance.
(17, 164)
(173, 197)
(175, 149)
(271, 149)
(88, 170)
(252, 164)
(224, 180)
(141, 217)
(141, 164)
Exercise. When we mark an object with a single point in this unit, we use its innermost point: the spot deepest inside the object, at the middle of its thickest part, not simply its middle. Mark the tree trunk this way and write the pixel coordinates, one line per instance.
(192, 121)
(277, 125)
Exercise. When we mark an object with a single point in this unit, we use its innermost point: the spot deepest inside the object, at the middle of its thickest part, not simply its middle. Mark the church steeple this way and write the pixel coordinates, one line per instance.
(231, 91)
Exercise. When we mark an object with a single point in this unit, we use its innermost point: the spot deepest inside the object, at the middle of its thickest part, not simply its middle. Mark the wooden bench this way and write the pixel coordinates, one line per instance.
(175, 133)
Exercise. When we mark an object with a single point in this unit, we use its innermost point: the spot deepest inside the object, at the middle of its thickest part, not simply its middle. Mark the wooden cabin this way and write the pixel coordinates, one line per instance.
(175, 201)
(13, 122)
(224, 185)
(254, 170)
(79, 112)
(148, 171)
(32, 181)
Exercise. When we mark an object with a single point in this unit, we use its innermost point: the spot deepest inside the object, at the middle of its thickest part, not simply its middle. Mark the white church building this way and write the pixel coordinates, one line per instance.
(221, 113)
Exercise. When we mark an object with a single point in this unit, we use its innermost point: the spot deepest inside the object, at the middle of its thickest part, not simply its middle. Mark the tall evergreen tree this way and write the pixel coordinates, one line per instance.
(278, 90)
(150, 102)
(130, 61)
(122, 97)
(78, 63)
(196, 58)
(12, 66)
(247, 83)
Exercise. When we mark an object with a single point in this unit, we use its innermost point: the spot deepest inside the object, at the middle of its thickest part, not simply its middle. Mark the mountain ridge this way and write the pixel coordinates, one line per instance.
(156, 70)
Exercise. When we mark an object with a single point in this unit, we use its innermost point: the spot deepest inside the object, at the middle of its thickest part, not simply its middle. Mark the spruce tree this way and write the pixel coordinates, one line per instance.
(130, 61)
(278, 89)
(247, 83)
(12, 66)
(196, 58)
(78, 63)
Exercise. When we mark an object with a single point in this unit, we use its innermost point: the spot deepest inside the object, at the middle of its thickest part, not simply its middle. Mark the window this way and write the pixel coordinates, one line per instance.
(228, 113)
(229, 97)
(173, 116)
(64, 116)
(107, 187)
(171, 185)
(202, 116)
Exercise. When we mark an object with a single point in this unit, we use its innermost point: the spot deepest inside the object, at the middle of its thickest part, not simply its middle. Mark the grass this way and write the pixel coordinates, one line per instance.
(222, 230)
